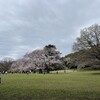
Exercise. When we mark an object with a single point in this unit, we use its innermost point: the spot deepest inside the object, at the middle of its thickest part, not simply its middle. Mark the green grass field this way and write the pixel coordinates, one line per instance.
(81, 85)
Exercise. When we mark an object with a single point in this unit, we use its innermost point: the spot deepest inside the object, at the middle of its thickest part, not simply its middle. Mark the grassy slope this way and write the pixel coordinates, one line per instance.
(70, 86)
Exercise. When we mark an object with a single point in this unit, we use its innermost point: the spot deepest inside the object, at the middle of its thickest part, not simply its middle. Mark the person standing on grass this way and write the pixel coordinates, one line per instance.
(57, 72)
(6, 72)
(0, 77)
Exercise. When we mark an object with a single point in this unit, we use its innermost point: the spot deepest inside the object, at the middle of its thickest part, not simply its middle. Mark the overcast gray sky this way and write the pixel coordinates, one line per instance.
(26, 25)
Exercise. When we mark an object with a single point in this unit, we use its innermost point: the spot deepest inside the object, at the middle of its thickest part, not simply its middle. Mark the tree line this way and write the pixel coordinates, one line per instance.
(86, 53)
(87, 48)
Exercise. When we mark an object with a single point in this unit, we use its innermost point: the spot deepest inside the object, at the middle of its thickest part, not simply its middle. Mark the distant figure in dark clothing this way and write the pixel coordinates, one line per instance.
(57, 72)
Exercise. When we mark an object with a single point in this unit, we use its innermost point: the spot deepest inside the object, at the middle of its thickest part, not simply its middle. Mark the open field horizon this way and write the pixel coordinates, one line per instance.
(78, 85)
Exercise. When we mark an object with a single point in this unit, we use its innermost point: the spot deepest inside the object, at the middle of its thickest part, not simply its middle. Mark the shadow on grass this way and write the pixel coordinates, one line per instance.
(95, 73)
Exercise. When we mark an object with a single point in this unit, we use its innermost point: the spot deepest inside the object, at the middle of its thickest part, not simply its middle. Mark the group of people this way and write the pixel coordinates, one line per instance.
(4, 72)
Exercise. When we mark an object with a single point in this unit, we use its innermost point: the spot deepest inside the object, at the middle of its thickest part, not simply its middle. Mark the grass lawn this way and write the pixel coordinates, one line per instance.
(81, 85)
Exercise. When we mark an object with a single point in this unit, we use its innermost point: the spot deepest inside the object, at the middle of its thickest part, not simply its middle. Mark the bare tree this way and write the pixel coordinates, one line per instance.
(5, 64)
(89, 41)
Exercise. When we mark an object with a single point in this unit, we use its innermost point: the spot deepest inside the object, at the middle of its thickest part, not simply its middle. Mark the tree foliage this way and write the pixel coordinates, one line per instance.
(47, 59)
(89, 41)
(5, 64)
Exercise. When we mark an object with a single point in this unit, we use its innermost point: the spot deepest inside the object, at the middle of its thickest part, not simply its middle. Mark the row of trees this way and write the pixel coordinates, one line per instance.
(86, 53)
(89, 41)
(87, 48)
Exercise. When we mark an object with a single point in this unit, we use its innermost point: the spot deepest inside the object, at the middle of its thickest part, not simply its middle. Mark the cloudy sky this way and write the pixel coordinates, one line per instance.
(26, 25)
